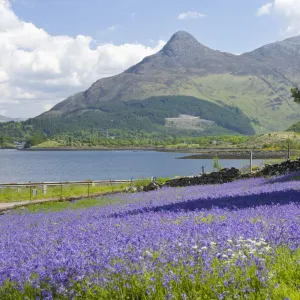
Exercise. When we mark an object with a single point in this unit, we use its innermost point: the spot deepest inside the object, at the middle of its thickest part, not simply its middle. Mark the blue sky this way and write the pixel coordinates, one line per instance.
(51, 49)
(228, 26)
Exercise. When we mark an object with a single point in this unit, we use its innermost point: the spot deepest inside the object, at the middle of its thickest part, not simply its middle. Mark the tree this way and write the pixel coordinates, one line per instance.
(35, 140)
(216, 165)
(296, 95)
(2, 141)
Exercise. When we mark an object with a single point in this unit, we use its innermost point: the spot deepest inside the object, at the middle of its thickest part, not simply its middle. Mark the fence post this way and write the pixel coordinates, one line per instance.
(44, 189)
(251, 161)
(88, 190)
(203, 170)
(30, 191)
(112, 189)
(289, 150)
(61, 191)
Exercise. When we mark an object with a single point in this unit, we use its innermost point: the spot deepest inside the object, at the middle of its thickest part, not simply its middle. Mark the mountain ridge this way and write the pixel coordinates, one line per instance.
(4, 119)
(253, 81)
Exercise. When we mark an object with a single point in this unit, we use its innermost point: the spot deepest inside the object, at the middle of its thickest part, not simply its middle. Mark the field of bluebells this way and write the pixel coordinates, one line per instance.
(238, 240)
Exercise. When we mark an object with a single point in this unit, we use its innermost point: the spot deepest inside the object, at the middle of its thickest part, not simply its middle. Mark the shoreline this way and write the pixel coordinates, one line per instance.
(159, 149)
(196, 153)
(241, 155)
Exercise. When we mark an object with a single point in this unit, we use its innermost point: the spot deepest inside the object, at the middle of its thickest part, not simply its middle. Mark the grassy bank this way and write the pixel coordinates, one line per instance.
(12, 194)
(65, 192)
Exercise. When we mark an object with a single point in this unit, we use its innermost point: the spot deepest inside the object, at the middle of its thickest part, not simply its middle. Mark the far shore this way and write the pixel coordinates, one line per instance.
(258, 154)
(196, 153)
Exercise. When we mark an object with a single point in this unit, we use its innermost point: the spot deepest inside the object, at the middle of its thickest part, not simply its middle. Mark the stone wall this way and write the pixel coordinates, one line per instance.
(286, 167)
(224, 175)
(229, 175)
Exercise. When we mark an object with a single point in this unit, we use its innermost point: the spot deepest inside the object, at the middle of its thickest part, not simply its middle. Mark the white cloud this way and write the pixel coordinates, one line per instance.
(287, 11)
(112, 28)
(3, 112)
(190, 15)
(38, 70)
(47, 106)
(265, 9)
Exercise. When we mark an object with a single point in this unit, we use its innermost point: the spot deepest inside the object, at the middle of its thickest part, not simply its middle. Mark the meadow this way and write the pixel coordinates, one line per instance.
(13, 194)
(238, 240)
(67, 191)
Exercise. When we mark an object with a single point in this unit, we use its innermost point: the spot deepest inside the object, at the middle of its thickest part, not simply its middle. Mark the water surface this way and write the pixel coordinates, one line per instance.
(36, 166)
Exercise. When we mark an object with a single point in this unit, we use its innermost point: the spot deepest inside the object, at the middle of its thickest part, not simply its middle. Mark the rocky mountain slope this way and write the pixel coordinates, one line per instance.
(258, 83)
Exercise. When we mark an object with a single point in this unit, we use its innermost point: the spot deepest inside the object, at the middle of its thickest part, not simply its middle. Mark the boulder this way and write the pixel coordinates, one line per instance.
(152, 186)
(131, 189)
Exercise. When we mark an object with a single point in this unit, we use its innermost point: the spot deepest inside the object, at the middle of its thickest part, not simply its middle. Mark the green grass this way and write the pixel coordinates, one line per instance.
(57, 192)
(55, 206)
(279, 280)
(252, 95)
(66, 192)
(60, 205)
(48, 144)
(146, 181)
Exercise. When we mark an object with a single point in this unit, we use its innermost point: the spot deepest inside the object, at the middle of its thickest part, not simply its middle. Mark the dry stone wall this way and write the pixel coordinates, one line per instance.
(224, 175)
(286, 167)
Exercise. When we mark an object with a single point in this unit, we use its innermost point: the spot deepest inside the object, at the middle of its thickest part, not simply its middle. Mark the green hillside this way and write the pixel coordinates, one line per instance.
(148, 116)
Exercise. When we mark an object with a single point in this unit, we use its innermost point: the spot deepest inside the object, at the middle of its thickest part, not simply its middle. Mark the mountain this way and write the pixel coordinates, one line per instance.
(7, 119)
(256, 84)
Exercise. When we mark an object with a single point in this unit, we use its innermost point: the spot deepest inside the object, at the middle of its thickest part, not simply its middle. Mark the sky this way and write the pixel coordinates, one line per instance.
(51, 49)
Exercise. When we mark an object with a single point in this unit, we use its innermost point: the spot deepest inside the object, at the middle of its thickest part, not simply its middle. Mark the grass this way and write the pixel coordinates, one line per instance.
(65, 192)
(57, 192)
(146, 181)
(55, 206)
(280, 279)
(48, 144)
(60, 205)
(242, 90)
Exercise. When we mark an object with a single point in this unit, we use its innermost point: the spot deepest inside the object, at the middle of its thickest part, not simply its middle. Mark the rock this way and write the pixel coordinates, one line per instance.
(279, 169)
(140, 188)
(131, 189)
(223, 176)
(152, 186)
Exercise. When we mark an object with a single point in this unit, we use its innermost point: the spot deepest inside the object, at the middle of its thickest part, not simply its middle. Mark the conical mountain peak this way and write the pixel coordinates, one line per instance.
(182, 36)
(180, 42)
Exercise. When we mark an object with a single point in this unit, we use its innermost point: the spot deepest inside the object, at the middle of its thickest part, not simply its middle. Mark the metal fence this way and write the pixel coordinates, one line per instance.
(59, 190)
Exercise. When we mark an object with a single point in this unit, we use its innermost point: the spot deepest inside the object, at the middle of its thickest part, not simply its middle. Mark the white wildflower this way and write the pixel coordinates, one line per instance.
(148, 253)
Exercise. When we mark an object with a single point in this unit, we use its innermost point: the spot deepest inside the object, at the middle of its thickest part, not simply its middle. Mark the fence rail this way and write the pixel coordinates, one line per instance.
(15, 192)
(64, 182)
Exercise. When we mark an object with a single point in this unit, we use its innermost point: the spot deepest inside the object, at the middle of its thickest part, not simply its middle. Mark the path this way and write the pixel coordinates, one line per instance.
(11, 205)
